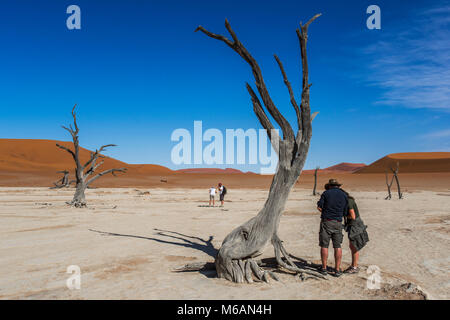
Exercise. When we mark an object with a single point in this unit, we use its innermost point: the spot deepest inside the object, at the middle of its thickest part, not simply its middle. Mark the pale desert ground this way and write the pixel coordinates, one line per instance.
(127, 243)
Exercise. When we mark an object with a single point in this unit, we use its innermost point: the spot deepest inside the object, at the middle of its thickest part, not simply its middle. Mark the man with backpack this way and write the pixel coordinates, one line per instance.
(222, 193)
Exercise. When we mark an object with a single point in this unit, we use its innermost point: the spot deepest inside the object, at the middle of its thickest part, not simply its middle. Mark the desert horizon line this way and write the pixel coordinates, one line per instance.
(224, 168)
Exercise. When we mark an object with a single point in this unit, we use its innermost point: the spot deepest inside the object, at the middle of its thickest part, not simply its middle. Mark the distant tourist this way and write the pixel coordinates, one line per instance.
(212, 193)
(333, 205)
(357, 234)
(222, 193)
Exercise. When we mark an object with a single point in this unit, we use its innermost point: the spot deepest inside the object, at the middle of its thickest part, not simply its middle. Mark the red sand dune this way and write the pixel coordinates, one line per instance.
(346, 167)
(33, 163)
(411, 162)
(210, 170)
(37, 155)
(42, 155)
(343, 167)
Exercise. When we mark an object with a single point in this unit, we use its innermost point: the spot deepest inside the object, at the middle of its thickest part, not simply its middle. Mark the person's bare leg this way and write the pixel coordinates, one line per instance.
(324, 256)
(337, 258)
(355, 256)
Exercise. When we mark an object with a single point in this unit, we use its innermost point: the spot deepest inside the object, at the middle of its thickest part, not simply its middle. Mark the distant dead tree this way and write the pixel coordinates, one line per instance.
(315, 180)
(235, 259)
(395, 172)
(389, 185)
(84, 173)
(63, 182)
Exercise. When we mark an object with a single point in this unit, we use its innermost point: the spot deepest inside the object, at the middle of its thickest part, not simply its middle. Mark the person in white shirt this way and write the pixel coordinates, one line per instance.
(212, 193)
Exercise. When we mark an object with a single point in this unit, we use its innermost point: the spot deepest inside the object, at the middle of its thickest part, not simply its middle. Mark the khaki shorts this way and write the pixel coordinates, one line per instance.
(211, 197)
(330, 229)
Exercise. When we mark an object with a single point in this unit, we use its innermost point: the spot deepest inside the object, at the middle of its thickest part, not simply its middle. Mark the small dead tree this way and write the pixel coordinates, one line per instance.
(85, 173)
(389, 185)
(63, 182)
(315, 181)
(397, 181)
(235, 259)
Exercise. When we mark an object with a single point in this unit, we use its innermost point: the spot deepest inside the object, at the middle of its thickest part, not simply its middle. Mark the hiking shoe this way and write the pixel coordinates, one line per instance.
(337, 273)
(323, 271)
(351, 270)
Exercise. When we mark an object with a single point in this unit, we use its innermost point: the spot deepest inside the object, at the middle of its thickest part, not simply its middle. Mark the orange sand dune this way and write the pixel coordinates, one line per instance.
(411, 162)
(37, 155)
(33, 163)
(42, 157)
(210, 170)
(343, 167)
(346, 167)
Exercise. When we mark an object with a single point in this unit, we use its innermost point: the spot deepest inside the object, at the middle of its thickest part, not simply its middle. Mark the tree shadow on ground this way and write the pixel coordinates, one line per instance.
(206, 268)
(196, 243)
(200, 244)
(300, 263)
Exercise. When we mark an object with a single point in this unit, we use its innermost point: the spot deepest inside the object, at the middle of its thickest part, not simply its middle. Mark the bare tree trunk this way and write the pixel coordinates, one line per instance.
(400, 194)
(315, 181)
(397, 181)
(79, 199)
(83, 172)
(235, 259)
(389, 185)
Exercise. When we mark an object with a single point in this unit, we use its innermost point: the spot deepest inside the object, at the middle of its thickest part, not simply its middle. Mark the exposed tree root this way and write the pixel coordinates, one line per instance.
(289, 264)
(77, 204)
(247, 270)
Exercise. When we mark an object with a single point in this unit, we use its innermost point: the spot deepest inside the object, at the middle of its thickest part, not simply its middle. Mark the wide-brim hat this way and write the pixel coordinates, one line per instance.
(333, 182)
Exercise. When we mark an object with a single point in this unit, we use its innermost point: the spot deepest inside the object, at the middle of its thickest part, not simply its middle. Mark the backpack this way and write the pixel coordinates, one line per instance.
(224, 191)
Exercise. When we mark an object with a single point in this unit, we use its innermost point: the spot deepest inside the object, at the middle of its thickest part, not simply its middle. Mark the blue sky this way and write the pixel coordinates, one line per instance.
(138, 71)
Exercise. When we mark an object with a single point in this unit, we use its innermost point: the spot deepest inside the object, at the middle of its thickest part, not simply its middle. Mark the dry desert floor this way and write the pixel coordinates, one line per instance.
(128, 241)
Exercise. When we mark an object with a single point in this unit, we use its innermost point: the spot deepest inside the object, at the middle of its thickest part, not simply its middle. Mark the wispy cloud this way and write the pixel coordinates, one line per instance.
(413, 66)
(438, 140)
(438, 134)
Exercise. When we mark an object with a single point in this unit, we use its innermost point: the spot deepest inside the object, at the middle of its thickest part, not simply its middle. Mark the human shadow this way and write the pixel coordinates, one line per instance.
(200, 244)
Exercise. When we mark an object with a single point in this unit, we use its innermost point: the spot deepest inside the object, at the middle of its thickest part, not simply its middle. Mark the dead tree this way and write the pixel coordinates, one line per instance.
(315, 181)
(63, 182)
(85, 173)
(389, 185)
(397, 181)
(235, 259)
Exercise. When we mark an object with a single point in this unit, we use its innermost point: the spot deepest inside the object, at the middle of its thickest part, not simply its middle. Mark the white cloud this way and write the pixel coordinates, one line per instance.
(413, 66)
(438, 134)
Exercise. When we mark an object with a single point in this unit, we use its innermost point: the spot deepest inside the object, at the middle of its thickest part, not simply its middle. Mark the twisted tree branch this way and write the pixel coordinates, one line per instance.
(112, 171)
(239, 48)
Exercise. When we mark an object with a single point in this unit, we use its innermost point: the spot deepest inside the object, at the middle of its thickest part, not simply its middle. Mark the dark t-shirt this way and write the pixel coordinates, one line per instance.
(352, 205)
(334, 204)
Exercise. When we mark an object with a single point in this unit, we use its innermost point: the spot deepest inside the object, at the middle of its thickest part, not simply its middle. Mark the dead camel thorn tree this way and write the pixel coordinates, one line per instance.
(389, 185)
(63, 182)
(235, 259)
(315, 181)
(85, 174)
(397, 180)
